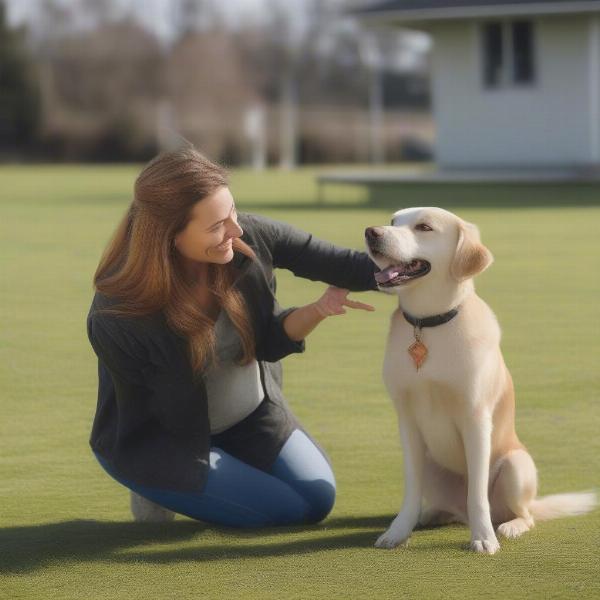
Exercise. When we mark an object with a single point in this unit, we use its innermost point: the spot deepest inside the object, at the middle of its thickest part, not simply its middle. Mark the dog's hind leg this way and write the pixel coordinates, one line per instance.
(513, 489)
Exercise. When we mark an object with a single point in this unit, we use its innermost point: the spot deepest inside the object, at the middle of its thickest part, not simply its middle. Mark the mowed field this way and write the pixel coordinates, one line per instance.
(65, 527)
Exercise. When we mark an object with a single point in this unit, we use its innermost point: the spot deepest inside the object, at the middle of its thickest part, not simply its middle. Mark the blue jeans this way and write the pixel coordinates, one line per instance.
(299, 488)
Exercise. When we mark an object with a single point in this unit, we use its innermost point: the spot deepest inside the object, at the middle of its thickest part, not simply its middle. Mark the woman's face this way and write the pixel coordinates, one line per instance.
(208, 235)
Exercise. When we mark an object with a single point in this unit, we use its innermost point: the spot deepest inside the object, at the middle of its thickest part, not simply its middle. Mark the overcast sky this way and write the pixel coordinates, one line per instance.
(157, 15)
(160, 17)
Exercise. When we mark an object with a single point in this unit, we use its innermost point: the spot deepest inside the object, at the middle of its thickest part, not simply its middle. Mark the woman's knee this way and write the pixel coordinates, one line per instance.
(320, 496)
(303, 466)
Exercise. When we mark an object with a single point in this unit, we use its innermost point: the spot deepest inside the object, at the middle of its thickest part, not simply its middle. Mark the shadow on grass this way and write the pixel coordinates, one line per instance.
(449, 196)
(27, 548)
(364, 539)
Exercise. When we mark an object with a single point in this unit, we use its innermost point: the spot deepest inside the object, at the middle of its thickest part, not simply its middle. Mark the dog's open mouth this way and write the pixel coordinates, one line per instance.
(402, 272)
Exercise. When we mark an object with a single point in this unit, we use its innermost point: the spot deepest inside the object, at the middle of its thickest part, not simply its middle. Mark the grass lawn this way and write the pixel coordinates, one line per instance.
(65, 527)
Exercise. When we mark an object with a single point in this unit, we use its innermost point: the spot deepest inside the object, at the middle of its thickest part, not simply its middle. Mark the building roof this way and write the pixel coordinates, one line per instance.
(433, 10)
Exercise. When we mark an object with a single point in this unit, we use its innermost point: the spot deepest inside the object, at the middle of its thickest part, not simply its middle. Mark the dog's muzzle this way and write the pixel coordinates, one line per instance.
(374, 238)
(399, 272)
(402, 272)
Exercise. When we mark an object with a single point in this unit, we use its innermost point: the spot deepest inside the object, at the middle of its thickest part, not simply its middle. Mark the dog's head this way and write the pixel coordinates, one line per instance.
(424, 243)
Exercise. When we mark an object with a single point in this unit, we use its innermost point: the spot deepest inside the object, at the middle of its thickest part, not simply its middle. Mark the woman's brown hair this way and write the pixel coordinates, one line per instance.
(140, 268)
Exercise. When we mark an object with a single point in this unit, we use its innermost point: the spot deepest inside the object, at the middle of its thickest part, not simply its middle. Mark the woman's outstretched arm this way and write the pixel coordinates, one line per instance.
(312, 258)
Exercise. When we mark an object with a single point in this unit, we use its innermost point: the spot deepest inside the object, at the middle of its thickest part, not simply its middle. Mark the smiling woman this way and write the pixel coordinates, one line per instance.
(188, 333)
(165, 254)
(214, 243)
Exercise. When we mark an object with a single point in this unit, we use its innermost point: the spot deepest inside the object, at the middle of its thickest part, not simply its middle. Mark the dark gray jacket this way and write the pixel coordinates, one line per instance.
(151, 421)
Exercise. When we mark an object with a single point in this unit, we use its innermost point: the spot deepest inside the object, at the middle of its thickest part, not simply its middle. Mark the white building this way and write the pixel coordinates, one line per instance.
(514, 83)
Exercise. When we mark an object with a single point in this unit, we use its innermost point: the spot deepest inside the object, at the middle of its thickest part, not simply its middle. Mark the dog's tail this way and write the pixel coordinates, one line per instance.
(563, 505)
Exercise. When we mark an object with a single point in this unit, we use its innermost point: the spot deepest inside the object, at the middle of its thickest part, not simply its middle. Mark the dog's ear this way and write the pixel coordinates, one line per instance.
(471, 256)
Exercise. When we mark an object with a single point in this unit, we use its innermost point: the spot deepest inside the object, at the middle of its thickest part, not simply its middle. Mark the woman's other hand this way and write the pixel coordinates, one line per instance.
(334, 301)
(300, 322)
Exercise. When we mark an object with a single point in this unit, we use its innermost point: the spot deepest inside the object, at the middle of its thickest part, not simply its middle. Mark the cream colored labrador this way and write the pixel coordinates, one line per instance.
(451, 389)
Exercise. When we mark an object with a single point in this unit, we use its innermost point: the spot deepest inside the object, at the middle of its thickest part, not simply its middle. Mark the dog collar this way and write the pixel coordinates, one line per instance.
(418, 351)
(431, 321)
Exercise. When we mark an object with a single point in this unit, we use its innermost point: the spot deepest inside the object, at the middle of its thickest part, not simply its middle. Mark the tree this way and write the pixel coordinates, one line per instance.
(100, 90)
(209, 92)
(19, 95)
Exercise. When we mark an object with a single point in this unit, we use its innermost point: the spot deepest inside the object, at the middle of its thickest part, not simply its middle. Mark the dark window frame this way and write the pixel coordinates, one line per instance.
(523, 52)
(508, 53)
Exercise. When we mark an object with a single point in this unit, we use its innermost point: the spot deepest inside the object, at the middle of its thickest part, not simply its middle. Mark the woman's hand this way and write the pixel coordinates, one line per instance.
(300, 322)
(333, 301)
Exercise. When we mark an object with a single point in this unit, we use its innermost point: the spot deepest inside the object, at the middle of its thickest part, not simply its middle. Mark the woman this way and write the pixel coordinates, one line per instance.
(188, 334)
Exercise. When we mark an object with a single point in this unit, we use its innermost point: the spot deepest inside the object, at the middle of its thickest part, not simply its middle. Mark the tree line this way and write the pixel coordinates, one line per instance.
(259, 93)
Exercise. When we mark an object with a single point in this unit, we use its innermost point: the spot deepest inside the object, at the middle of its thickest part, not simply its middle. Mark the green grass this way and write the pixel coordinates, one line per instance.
(65, 528)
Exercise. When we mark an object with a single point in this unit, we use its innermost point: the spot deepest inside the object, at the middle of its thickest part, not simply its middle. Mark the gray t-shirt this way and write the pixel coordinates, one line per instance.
(233, 391)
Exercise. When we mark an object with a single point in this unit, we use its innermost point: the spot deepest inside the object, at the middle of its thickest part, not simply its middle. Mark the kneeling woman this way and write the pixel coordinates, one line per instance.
(188, 334)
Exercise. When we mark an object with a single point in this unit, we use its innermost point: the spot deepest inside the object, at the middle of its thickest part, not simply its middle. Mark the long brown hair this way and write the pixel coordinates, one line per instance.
(140, 268)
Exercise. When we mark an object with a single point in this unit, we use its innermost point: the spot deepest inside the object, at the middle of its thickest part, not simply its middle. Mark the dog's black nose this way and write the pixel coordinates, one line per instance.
(373, 233)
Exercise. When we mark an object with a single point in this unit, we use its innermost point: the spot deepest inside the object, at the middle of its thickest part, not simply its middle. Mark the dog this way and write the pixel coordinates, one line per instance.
(451, 389)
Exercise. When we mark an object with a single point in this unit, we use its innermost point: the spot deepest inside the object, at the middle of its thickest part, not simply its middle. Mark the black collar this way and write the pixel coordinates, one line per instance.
(431, 321)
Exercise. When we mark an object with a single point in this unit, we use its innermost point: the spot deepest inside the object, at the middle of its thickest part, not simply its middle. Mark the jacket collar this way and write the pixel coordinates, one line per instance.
(240, 261)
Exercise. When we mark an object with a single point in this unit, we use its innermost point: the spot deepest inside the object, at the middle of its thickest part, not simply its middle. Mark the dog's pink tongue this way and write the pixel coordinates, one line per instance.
(387, 274)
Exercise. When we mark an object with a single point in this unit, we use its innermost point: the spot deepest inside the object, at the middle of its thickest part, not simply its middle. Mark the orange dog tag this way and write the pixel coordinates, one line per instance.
(418, 352)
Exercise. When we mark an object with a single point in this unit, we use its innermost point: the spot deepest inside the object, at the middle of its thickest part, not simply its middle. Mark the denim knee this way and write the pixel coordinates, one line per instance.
(320, 496)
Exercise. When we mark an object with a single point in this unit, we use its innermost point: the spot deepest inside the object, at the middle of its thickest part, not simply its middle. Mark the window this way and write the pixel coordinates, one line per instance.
(522, 50)
(507, 48)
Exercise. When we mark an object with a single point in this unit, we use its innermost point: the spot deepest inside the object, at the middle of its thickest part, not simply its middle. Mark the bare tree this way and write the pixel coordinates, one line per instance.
(100, 89)
(209, 92)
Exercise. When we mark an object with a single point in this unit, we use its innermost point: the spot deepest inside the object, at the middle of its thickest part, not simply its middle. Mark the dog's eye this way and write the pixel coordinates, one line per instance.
(423, 227)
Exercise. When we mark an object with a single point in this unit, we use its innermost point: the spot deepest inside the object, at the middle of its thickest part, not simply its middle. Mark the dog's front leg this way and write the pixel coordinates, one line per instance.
(414, 460)
(477, 439)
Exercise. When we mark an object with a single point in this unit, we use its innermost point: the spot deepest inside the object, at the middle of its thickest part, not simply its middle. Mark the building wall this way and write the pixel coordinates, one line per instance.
(545, 124)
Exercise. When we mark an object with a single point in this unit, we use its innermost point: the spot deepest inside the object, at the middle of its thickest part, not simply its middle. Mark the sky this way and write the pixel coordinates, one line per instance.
(157, 15)
(160, 16)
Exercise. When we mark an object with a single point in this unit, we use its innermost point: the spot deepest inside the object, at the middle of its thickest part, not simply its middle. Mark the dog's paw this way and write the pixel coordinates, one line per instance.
(515, 528)
(392, 538)
(488, 545)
